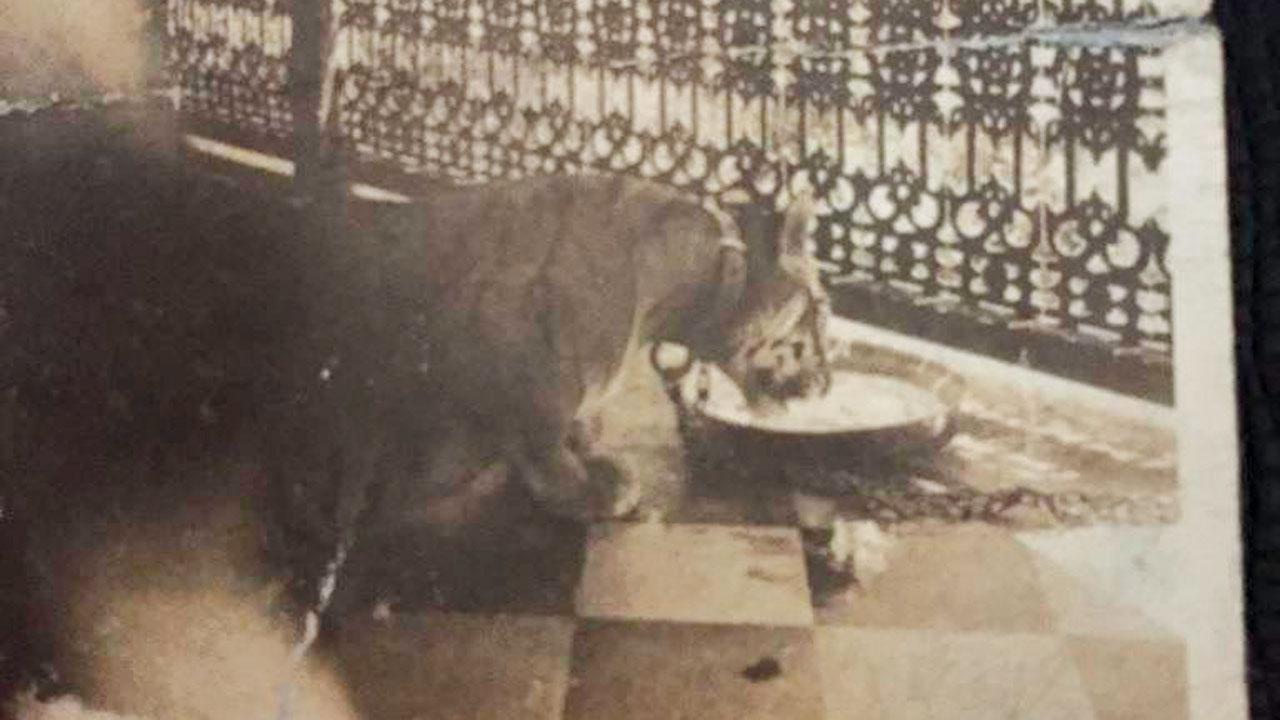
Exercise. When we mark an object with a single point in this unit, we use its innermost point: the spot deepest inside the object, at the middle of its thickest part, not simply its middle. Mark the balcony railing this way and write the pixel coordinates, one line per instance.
(983, 181)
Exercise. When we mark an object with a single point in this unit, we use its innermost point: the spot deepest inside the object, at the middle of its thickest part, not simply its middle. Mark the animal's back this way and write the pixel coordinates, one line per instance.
(531, 290)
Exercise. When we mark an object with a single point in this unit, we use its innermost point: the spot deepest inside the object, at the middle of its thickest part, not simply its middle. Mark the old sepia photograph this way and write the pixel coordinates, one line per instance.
(616, 360)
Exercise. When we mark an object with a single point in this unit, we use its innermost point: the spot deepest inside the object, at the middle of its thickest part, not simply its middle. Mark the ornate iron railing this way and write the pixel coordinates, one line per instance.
(966, 160)
(229, 60)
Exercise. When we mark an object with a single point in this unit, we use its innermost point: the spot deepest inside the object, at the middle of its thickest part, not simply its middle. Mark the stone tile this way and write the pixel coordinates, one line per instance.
(625, 671)
(963, 577)
(695, 573)
(1128, 678)
(445, 666)
(917, 675)
(1120, 581)
(1078, 608)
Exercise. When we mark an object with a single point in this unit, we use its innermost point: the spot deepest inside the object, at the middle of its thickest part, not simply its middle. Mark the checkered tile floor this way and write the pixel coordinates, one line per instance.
(713, 620)
(714, 613)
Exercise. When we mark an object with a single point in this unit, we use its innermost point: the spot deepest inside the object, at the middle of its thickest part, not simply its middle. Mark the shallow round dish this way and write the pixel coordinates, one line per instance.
(884, 406)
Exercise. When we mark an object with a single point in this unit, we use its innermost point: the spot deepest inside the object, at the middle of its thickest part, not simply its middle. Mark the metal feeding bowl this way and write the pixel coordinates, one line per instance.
(884, 407)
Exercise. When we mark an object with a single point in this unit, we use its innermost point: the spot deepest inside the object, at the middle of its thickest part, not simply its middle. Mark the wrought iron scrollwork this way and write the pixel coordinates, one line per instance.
(1020, 179)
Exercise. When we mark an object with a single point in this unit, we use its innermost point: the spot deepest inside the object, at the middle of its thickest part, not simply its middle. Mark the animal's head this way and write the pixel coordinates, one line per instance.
(777, 337)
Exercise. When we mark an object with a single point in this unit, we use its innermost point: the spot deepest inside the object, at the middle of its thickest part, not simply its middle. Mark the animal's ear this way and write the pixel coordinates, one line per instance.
(795, 226)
